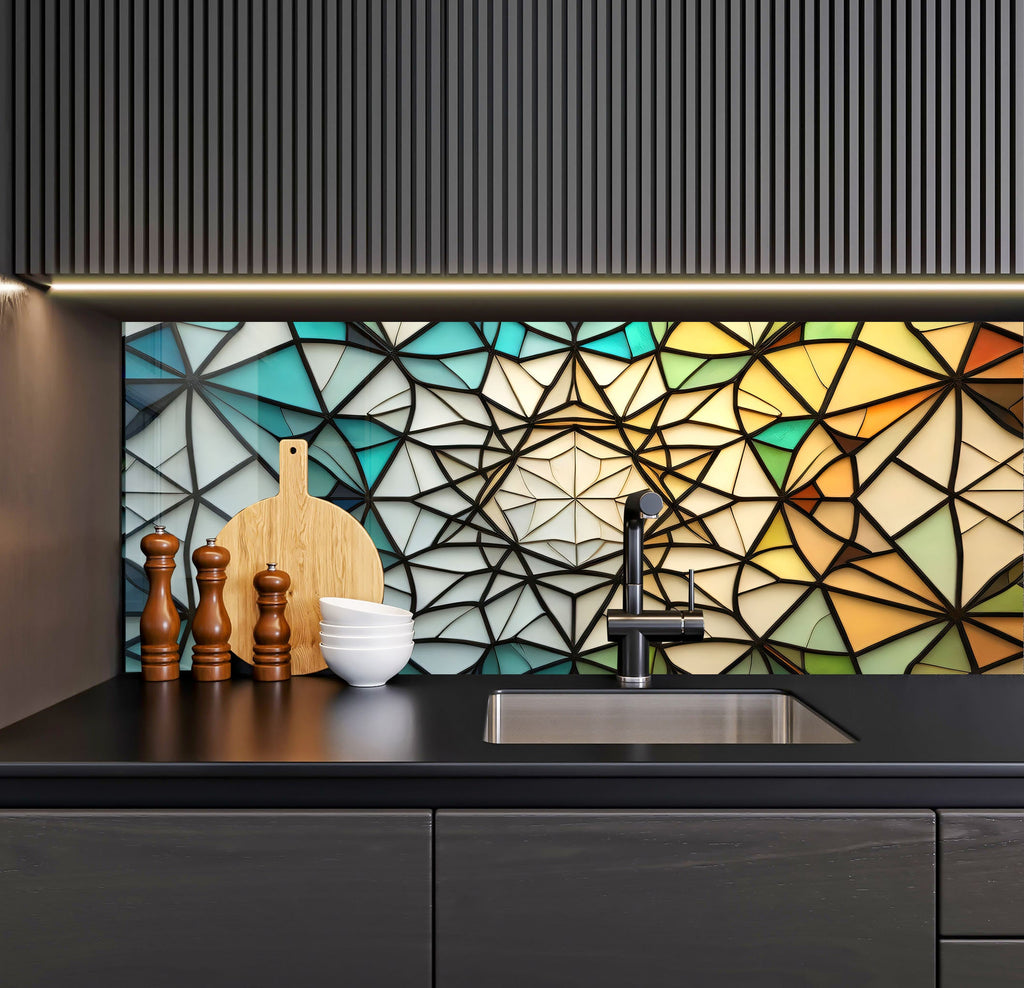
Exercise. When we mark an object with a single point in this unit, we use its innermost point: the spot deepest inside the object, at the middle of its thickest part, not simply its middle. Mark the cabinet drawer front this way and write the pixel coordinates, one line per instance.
(981, 963)
(175, 899)
(604, 898)
(981, 873)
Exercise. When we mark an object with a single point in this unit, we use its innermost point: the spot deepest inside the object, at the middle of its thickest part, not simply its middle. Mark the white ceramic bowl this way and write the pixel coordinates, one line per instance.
(359, 641)
(345, 610)
(361, 666)
(366, 630)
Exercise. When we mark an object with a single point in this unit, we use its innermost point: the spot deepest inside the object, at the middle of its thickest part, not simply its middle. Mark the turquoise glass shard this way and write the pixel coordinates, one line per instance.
(161, 346)
(321, 331)
(280, 377)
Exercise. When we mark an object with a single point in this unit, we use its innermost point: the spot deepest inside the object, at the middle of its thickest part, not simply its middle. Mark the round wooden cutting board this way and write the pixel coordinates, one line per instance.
(325, 550)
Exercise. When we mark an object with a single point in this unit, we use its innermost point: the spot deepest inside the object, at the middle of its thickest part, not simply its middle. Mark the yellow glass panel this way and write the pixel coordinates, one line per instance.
(951, 342)
(707, 658)
(679, 406)
(692, 468)
(702, 338)
(722, 474)
(978, 430)
(645, 420)
(794, 364)
(718, 410)
(836, 480)
(750, 519)
(759, 381)
(868, 622)
(752, 577)
(871, 456)
(751, 480)
(785, 564)
(826, 358)
(777, 534)
(869, 377)
(896, 338)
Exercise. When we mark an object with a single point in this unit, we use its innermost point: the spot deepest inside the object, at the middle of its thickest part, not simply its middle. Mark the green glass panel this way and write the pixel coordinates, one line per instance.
(828, 665)
(659, 329)
(785, 435)
(949, 653)
(1010, 601)
(640, 340)
(161, 346)
(718, 371)
(321, 331)
(932, 546)
(778, 668)
(615, 345)
(802, 624)
(893, 659)
(445, 338)
(279, 377)
(139, 367)
(776, 461)
(677, 367)
(829, 330)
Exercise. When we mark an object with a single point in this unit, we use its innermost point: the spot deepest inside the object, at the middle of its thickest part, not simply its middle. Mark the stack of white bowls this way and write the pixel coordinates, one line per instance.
(362, 642)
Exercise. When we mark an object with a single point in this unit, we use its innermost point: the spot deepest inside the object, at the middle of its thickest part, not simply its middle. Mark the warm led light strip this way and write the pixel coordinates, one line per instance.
(533, 286)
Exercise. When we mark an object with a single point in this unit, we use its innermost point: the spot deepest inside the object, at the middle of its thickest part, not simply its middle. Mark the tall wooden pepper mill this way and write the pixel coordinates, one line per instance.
(211, 627)
(272, 650)
(160, 623)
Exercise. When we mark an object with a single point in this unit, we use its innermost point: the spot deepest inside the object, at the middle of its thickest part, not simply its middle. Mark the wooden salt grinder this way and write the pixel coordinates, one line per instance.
(211, 627)
(160, 623)
(272, 651)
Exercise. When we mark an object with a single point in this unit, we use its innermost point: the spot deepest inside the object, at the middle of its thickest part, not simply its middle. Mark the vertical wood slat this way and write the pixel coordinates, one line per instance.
(513, 136)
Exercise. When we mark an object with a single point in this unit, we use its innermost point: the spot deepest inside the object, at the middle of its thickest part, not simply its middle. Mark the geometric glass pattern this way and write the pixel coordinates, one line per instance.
(849, 494)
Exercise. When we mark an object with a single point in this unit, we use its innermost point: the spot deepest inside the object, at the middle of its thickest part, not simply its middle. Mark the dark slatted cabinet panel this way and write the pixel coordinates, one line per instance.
(698, 898)
(981, 866)
(178, 899)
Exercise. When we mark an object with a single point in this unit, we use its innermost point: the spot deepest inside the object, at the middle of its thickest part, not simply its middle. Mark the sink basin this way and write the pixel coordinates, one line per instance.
(655, 717)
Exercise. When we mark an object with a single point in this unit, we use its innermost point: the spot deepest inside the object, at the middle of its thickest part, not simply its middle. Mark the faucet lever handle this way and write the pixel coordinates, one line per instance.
(690, 601)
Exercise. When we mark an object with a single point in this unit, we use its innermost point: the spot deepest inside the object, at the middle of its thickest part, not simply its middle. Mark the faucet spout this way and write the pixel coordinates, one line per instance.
(639, 507)
(633, 627)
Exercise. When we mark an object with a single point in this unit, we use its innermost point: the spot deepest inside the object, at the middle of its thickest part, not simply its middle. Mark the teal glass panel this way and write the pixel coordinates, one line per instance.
(139, 367)
(641, 342)
(510, 338)
(161, 346)
(279, 377)
(445, 338)
(785, 435)
(321, 331)
(615, 345)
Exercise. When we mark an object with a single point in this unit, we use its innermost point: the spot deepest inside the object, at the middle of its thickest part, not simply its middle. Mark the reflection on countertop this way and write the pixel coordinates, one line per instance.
(265, 722)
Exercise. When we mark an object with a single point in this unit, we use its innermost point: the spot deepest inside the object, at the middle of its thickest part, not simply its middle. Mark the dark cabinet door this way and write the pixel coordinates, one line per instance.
(697, 898)
(177, 899)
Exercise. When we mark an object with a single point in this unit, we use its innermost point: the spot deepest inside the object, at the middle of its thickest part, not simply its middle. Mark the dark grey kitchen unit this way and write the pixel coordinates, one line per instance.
(981, 963)
(599, 898)
(176, 898)
(982, 868)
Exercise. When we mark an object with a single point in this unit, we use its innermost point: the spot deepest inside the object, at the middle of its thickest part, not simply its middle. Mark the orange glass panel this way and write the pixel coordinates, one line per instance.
(819, 547)
(1012, 626)
(1010, 369)
(867, 622)
(989, 346)
(989, 648)
(836, 480)
(891, 567)
(857, 581)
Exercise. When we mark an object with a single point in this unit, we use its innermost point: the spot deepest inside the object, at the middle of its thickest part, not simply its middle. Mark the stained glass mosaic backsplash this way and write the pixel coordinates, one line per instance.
(849, 494)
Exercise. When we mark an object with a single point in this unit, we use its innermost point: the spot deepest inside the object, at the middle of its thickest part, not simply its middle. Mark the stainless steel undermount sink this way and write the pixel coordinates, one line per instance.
(655, 717)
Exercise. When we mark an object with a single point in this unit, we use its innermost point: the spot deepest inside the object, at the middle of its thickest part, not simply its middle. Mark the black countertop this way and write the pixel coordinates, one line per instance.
(933, 741)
